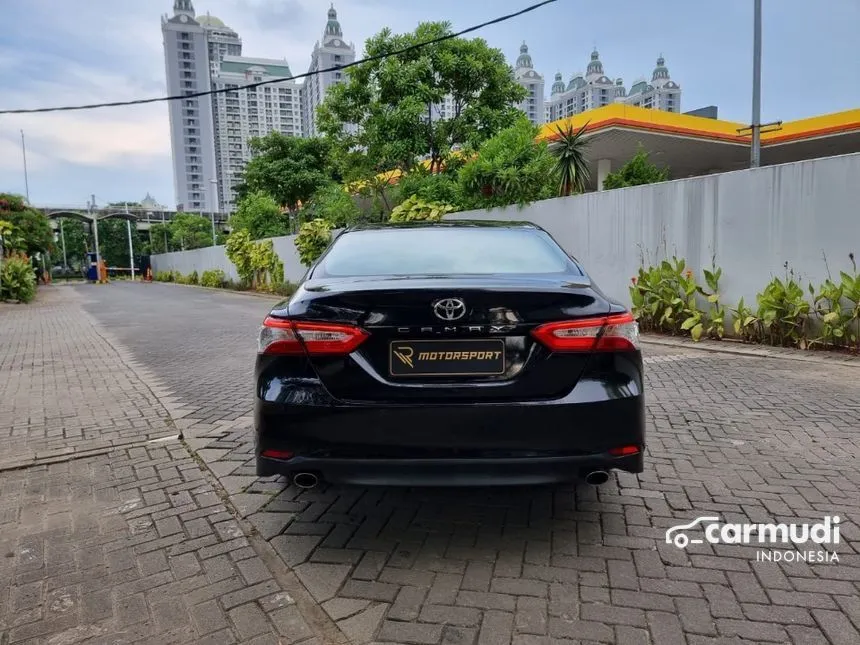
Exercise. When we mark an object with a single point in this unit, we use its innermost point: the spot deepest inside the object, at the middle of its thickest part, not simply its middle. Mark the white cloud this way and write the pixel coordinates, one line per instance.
(129, 42)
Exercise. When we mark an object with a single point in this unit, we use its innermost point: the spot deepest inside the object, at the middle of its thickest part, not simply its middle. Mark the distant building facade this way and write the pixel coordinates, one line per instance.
(525, 74)
(243, 113)
(192, 130)
(595, 89)
(331, 52)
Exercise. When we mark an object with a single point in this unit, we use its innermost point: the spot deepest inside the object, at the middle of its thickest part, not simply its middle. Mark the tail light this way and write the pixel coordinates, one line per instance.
(624, 451)
(620, 333)
(285, 337)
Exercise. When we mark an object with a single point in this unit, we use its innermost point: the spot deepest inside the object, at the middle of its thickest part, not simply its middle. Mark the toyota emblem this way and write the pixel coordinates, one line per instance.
(449, 309)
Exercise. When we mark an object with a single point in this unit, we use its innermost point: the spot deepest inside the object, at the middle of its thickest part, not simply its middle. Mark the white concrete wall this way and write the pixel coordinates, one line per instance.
(215, 257)
(752, 221)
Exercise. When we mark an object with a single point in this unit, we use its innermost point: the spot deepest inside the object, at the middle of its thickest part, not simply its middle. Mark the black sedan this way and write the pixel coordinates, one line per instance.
(448, 354)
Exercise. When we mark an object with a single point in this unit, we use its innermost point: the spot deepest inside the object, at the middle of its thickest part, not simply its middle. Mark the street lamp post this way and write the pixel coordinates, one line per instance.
(63, 238)
(26, 177)
(214, 198)
(95, 223)
(130, 247)
(755, 153)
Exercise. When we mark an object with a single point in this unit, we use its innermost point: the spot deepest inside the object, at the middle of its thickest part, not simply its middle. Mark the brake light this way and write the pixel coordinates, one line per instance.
(621, 333)
(285, 337)
(278, 454)
(624, 451)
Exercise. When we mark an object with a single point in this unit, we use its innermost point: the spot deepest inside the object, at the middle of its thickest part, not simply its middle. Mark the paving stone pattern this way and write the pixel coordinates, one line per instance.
(52, 360)
(124, 538)
(749, 439)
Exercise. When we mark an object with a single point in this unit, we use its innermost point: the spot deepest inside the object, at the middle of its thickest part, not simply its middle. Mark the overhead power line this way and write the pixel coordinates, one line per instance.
(404, 50)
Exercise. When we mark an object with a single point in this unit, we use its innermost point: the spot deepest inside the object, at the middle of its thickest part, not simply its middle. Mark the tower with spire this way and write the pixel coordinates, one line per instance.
(595, 89)
(329, 52)
(533, 82)
(662, 93)
(185, 7)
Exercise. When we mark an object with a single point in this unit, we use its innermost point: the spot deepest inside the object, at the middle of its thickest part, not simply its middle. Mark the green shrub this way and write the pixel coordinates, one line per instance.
(416, 209)
(837, 307)
(193, 278)
(213, 278)
(17, 280)
(313, 239)
(664, 299)
(783, 312)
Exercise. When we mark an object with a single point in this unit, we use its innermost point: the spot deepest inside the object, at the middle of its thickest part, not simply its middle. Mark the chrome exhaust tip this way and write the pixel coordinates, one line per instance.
(305, 480)
(597, 477)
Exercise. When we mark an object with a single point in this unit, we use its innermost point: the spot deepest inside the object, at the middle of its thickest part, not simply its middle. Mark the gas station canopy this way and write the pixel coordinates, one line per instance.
(693, 145)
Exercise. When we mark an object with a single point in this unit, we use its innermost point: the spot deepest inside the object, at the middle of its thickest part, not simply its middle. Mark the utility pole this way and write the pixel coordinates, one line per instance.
(130, 247)
(214, 183)
(95, 221)
(164, 227)
(63, 238)
(755, 153)
(26, 178)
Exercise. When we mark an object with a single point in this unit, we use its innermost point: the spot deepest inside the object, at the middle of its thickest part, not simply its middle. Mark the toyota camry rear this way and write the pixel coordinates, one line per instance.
(456, 353)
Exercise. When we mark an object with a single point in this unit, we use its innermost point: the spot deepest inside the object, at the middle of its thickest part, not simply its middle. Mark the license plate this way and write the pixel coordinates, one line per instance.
(447, 357)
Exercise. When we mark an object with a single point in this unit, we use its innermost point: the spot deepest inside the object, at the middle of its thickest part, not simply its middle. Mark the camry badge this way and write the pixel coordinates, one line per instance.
(449, 309)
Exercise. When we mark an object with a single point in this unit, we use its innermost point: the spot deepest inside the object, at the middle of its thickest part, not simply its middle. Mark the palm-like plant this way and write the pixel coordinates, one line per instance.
(571, 166)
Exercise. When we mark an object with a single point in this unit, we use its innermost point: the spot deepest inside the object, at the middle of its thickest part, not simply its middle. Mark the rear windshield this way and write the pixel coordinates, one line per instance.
(441, 251)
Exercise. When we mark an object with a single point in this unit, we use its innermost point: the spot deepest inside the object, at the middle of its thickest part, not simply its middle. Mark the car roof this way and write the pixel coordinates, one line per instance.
(457, 223)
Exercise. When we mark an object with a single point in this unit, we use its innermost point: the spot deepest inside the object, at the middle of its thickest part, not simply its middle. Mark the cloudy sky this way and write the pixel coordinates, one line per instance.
(57, 52)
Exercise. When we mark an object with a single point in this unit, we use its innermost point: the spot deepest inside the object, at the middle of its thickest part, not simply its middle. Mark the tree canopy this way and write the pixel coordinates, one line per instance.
(333, 204)
(289, 169)
(385, 109)
(190, 231)
(259, 214)
(31, 226)
(636, 172)
(510, 168)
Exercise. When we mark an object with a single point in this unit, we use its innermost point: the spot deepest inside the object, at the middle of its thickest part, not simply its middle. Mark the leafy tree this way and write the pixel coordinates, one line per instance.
(636, 172)
(77, 237)
(438, 187)
(289, 169)
(312, 240)
(334, 204)
(510, 168)
(388, 103)
(31, 226)
(571, 167)
(190, 231)
(159, 235)
(259, 214)
(113, 241)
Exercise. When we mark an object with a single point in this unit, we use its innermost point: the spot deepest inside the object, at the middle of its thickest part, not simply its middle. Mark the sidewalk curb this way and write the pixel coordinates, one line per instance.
(255, 294)
(718, 348)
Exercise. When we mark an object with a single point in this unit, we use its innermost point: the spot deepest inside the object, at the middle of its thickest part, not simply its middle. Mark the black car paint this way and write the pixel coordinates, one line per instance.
(550, 417)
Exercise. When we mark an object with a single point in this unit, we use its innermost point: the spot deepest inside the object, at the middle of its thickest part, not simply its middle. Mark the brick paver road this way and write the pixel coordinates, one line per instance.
(110, 530)
(747, 439)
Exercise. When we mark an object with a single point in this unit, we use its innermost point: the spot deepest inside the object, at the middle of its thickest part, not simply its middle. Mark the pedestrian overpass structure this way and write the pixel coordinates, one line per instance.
(142, 218)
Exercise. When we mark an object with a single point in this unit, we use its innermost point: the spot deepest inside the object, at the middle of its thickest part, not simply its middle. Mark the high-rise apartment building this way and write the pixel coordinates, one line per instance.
(662, 93)
(594, 89)
(192, 131)
(331, 52)
(243, 113)
(525, 75)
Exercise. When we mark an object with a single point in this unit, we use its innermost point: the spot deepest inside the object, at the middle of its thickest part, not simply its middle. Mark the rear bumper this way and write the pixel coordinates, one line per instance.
(456, 444)
(519, 471)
